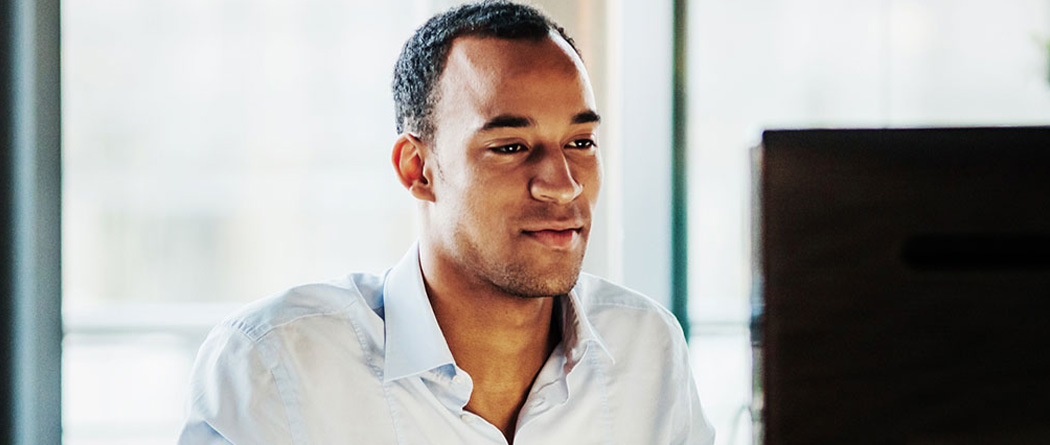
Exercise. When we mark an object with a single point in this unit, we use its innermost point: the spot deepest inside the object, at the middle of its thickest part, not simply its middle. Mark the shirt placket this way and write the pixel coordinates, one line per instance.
(453, 388)
(549, 390)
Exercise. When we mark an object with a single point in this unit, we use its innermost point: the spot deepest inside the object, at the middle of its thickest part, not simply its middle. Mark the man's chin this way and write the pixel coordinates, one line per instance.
(540, 284)
(538, 291)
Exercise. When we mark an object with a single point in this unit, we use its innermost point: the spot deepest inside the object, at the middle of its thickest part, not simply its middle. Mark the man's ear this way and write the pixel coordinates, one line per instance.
(409, 159)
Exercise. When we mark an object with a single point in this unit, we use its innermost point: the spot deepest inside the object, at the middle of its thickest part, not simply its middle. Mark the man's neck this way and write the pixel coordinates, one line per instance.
(501, 340)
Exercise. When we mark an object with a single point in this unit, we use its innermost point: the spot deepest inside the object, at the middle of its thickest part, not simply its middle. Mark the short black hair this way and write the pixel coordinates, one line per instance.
(423, 57)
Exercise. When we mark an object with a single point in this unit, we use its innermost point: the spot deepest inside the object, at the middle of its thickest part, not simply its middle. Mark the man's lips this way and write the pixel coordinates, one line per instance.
(561, 239)
(555, 225)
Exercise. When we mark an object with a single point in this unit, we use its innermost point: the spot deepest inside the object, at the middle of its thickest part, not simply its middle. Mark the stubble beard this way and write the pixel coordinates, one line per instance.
(521, 279)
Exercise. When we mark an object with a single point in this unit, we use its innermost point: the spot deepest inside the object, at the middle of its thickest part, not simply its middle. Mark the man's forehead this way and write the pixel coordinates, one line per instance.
(510, 57)
(491, 83)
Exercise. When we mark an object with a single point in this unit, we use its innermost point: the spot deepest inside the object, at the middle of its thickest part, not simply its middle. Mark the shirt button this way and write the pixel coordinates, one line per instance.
(458, 379)
(466, 418)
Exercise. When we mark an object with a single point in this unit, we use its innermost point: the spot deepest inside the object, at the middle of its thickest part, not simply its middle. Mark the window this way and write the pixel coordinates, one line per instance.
(215, 152)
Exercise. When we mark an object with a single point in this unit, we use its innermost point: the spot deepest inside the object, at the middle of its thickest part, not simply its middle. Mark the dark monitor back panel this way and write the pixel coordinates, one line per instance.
(904, 286)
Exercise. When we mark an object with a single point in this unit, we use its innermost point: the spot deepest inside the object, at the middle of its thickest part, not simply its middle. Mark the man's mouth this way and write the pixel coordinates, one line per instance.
(556, 239)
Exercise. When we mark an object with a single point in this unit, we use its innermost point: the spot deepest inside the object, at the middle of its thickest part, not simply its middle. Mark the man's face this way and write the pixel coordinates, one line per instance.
(516, 171)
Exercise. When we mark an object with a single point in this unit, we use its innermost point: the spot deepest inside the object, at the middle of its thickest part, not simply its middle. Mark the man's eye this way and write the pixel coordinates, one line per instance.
(581, 143)
(509, 149)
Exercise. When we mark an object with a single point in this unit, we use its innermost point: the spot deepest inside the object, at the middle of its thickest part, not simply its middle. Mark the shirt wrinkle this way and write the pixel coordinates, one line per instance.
(255, 333)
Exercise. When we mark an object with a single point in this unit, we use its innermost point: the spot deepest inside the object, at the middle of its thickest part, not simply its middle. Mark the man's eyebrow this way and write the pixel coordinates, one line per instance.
(586, 117)
(506, 121)
(512, 121)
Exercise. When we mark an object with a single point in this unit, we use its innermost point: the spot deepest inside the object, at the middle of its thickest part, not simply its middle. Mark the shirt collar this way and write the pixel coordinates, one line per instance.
(414, 342)
(578, 334)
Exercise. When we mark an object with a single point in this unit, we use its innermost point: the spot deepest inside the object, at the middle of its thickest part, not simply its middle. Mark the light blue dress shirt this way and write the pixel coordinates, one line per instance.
(362, 360)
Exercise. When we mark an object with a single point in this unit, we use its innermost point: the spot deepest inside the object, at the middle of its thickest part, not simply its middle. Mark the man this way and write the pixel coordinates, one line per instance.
(486, 331)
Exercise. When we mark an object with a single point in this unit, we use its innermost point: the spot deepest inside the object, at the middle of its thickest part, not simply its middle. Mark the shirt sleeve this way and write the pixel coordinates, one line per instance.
(699, 430)
(693, 428)
(233, 395)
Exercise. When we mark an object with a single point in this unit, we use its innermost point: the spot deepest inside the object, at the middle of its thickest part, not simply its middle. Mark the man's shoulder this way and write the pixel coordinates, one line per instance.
(332, 298)
(597, 292)
(608, 303)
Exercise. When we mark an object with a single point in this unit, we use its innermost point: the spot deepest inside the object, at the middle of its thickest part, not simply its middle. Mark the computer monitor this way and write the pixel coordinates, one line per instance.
(902, 291)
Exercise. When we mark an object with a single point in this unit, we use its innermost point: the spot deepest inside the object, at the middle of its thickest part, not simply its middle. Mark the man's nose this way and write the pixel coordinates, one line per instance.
(554, 181)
